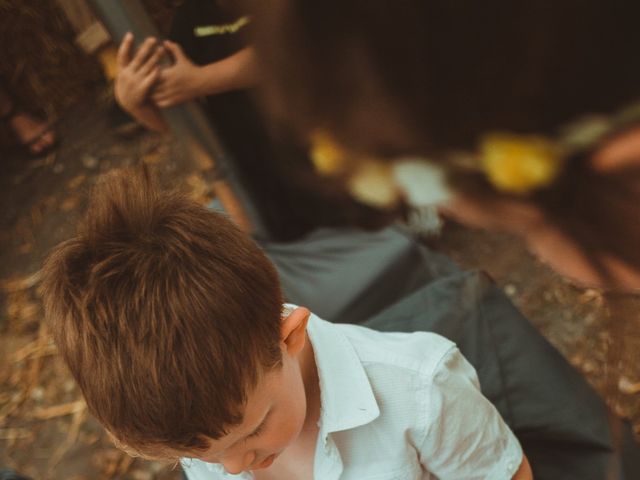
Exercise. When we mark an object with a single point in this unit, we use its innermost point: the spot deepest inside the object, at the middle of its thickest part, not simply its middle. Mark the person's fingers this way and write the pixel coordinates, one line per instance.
(37, 147)
(164, 74)
(165, 99)
(163, 88)
(150, 79)
(152, 61)
(160, 87)
(175, 49)
(48, 139)
(45, 141)
(124, 51)
(159, 97)
(161, 103)
(166, 103)
(143, 53)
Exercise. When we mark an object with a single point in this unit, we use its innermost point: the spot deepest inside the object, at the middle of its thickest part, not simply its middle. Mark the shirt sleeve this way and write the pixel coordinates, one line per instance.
(196, 470)
(465, 436)
(199, 470)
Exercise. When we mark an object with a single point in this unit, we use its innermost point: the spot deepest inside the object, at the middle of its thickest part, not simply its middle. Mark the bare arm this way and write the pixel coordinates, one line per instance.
(143, 87)
(184, 80)
(232, 73)
(524, 472)
(139, 75)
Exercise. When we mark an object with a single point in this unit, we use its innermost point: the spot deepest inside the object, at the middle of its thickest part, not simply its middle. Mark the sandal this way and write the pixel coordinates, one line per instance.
(43, 142)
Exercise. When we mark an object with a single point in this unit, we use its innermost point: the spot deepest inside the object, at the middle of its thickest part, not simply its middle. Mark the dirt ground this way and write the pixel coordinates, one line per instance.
(45, 430)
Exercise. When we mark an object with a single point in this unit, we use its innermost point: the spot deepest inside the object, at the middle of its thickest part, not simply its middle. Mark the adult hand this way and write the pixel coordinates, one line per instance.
(179, 82)
(137, 73)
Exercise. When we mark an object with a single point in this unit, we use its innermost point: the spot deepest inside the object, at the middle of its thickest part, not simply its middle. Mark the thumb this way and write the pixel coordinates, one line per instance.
(175, 49)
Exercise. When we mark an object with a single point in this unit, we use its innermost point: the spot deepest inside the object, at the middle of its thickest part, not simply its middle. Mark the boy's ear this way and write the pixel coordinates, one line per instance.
(293, 330)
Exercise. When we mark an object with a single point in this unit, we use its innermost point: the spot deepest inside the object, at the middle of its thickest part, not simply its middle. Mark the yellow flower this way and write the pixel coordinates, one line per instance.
(519, 164)
(327, 156)
(373, 183)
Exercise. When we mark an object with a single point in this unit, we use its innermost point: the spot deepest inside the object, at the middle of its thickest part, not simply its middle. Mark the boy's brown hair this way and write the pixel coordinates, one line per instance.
(166, 314)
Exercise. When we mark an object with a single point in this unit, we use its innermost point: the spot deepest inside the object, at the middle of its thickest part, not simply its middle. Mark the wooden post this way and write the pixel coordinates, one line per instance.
(90, 33)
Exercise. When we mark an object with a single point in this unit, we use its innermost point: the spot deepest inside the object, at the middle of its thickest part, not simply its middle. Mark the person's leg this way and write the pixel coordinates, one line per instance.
(35, 134)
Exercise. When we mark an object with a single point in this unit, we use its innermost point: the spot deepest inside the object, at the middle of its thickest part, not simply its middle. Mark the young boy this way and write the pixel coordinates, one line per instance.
(172, 322)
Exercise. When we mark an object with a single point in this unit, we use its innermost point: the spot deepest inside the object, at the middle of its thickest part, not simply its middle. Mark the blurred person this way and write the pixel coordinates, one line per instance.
(527, 107)
(34, 134)
(212, 62)
(526, 114)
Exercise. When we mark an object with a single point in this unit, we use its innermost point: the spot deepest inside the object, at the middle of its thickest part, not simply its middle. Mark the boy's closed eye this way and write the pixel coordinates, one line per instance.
(257, 431)
(260, 428)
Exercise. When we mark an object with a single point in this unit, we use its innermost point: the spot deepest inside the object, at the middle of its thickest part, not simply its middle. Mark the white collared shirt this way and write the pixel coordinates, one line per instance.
(397, 406)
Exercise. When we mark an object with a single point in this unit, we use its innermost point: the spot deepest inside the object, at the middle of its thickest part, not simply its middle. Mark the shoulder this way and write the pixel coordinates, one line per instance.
(420, 372)
(422, 353)
(199, 470)
(397, 367)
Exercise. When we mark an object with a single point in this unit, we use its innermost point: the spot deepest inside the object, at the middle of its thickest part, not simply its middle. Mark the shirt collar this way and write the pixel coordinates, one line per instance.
(346, 397)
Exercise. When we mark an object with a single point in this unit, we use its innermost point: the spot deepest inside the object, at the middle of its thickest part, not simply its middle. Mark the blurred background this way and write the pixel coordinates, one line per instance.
(59, 64)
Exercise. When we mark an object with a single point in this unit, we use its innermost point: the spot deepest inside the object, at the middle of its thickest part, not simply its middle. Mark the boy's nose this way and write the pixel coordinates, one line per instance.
(239, 463)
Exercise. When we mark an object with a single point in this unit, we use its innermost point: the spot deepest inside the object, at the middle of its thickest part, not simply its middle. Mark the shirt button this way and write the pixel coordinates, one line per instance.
(510, 466)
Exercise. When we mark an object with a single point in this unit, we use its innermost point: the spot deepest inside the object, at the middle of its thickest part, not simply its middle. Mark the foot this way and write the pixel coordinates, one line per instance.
(34, 134)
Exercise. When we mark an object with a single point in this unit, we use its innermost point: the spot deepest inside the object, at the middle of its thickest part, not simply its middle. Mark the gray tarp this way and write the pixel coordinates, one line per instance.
(388, 281)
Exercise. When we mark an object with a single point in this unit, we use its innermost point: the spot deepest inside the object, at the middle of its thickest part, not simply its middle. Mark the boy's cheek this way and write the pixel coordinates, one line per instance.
(284, 433)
